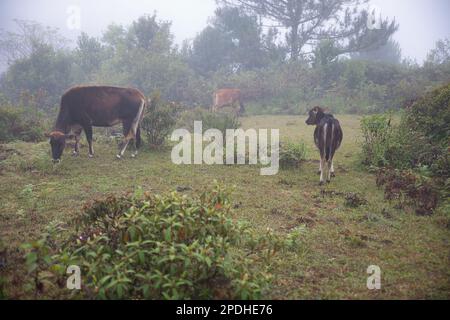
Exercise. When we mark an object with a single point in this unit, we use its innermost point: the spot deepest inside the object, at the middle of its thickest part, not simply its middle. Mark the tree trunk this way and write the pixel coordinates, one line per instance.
(294, 42)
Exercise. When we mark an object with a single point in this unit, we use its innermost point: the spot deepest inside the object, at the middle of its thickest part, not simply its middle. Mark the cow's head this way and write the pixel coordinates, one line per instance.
(315, 115)
(58, 143)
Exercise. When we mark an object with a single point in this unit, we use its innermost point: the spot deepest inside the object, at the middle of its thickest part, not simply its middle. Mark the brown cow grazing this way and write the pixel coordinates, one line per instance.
(228, 98)
(85, 107)
(327, 137)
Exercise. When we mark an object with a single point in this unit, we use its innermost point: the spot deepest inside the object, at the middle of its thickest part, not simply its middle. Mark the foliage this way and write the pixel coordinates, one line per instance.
(21, 43)
(145, 246)
(377, 132)
(418, 143)
(20, 124)
(430, 115)
(292, 154)
(398, 146)
(159, 121)
(45, 69)
(430, 118)
(233, 41)
(233, 51)
(308, 22)
(390, 53)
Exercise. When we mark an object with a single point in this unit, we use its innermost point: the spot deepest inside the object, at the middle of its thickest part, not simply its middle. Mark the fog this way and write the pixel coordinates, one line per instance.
(422, 22)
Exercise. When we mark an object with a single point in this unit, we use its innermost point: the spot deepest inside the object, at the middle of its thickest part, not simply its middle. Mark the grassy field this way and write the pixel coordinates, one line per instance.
(338, 245)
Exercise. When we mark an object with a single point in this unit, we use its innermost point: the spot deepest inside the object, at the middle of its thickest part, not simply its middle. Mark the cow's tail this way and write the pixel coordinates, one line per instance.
(138, 137)
(136, 126)
(329, 137)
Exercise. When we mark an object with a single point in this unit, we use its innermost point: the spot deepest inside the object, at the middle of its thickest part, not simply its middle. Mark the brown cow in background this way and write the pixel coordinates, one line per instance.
(228, 98)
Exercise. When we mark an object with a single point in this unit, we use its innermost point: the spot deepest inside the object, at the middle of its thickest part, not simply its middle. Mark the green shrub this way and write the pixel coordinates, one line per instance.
(421, 140)
(397, 146)
(430, 115)
(20, 124)
(430, 118)
(159, 121)
(292, 154)
(146, 246)
(377, 134)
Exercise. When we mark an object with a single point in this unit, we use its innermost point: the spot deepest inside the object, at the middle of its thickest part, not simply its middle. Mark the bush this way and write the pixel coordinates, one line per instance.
(430, 117)
(146, 246)
(292, 155)
(413, 151)
(19, 124)
(159, 121)
(377, 134)
(420, 140)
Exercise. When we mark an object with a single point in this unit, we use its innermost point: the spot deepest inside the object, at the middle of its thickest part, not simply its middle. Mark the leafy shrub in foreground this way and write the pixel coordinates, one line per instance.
(162, 247)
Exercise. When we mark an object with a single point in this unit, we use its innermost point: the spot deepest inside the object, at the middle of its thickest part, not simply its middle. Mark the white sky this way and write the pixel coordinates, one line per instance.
(422, 22)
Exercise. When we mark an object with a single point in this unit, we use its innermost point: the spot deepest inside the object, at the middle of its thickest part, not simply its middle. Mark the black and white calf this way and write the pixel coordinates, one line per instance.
(327, 137)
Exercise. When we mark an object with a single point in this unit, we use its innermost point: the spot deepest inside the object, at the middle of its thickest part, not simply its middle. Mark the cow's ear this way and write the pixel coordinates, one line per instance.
(70, 136)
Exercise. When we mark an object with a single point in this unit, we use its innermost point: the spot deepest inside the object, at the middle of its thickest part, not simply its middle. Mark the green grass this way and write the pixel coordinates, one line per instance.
(339, 242)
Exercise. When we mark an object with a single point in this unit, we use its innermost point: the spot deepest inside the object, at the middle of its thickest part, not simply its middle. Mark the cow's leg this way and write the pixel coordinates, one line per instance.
(126, 139)
(76, 150)
(88, 131)
(322, 165)
(137, 142)
(332, 169)
(329, 164)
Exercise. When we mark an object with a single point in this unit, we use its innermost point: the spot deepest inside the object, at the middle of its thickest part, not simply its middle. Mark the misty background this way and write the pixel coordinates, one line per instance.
(422, 22)
(351, 56)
